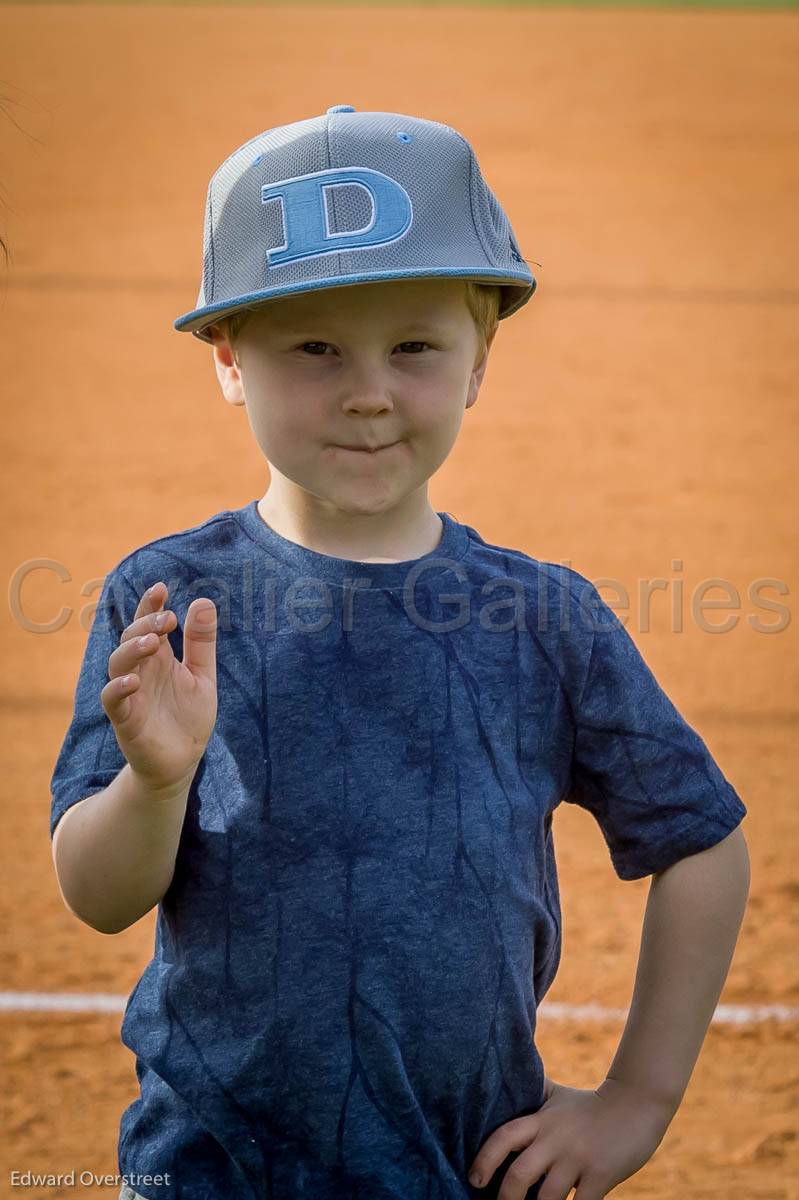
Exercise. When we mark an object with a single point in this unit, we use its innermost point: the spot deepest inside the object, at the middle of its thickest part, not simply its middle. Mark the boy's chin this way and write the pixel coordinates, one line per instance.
(362, 505)
(354, 497)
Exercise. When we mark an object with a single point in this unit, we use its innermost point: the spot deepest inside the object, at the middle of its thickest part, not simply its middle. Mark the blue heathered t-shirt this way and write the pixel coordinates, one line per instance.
(364, 912)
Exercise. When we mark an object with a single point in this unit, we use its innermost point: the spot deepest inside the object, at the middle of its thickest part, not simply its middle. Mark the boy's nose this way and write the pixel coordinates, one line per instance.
(369, 402)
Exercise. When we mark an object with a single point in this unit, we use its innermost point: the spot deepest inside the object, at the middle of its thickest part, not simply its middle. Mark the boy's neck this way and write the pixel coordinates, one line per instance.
(398, 536)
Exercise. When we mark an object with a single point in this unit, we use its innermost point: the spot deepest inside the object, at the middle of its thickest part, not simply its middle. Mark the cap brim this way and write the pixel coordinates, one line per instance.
(516, 291)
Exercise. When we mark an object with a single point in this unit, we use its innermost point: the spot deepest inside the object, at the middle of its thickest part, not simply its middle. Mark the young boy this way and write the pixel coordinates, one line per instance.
(326, 734)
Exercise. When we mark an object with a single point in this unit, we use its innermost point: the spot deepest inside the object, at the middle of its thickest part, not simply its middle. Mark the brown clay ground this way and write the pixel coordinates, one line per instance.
(641, 409)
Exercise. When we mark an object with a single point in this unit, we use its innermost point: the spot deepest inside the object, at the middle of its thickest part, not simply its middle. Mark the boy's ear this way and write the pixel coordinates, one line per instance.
(227, 369)
(479, 369)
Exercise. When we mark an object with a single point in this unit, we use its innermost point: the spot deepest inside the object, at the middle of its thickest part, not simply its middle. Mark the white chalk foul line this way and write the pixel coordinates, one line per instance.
(725, 1014)
(61, 1002)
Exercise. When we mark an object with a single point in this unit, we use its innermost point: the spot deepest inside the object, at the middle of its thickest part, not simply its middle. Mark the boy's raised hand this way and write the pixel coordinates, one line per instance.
(163, 711)
(587, 1140)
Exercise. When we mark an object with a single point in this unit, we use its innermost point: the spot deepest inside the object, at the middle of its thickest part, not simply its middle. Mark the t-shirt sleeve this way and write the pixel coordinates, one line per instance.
(638, 766)
(90, 756)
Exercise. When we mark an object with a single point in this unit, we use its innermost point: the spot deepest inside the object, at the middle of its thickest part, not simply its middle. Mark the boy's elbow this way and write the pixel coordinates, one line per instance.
(98, 927)
(110, 932)
(107, 926)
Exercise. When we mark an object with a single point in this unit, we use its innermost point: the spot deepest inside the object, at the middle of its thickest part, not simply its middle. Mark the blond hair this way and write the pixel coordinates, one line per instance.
(482, 299)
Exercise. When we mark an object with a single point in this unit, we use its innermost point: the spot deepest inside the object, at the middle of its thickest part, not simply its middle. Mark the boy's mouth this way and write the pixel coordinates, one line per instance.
(366, 449)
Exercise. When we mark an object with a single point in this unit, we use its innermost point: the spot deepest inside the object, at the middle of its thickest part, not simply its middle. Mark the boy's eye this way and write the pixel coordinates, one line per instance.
(322, 355)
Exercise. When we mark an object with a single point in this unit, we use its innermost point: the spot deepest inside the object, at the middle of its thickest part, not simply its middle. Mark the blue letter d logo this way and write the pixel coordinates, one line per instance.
(305, 213)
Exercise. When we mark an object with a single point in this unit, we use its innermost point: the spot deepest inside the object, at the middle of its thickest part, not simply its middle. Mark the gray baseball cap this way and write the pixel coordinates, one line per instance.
(346, 198)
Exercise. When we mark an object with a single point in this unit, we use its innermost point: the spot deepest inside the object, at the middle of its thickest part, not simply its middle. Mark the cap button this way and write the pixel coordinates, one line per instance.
(341, 108)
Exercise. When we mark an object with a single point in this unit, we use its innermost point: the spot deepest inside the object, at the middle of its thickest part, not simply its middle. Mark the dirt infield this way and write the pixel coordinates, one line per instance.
(638, 421)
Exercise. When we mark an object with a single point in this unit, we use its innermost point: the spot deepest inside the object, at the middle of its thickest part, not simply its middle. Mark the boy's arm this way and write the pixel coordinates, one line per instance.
(693, 916)
(114, 852)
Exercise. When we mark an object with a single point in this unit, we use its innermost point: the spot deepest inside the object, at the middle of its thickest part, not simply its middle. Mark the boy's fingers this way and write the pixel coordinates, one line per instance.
(151, 600)
(146, 623)
(131, 652)
(199, 637)
(115, 693)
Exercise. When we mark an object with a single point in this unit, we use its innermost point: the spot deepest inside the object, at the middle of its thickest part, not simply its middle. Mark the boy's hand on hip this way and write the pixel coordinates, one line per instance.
(588, 1140)
(163, 711)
